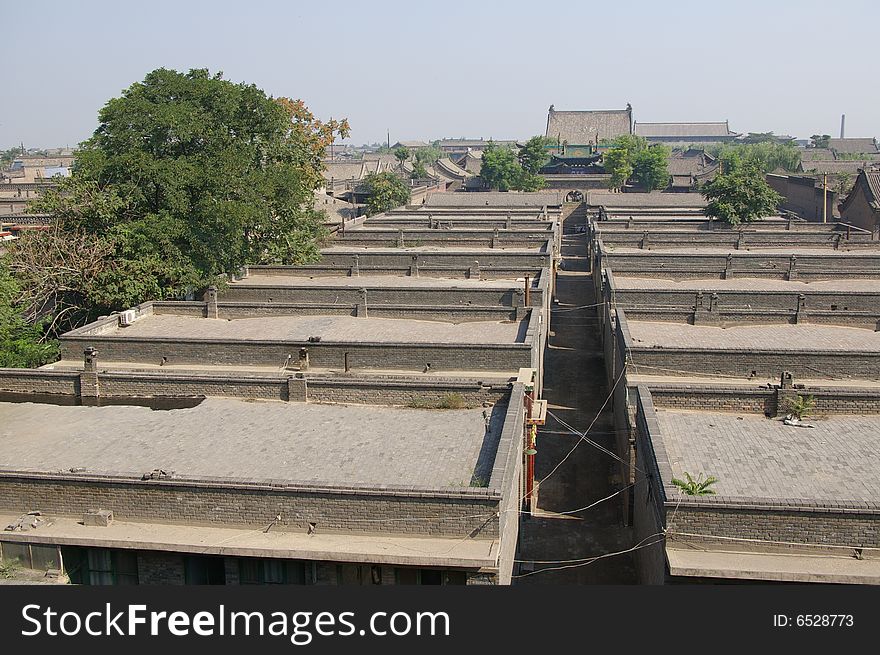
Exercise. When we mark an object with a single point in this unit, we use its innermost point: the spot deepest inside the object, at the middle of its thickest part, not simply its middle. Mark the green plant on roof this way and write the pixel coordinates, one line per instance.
(800, 406)
(8, 568)
(698, 487)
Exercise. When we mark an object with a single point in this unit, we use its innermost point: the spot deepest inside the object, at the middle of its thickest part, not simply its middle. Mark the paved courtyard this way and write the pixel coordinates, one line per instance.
(266, 440)
(756, 457)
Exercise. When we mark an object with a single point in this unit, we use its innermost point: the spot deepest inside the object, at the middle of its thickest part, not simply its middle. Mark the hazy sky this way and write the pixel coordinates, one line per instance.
(452, 68)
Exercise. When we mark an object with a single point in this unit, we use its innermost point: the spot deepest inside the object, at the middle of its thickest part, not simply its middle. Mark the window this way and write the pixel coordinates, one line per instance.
(204, 570)
(100, 566)
(358, 574)
(429, 577)
(274, 571)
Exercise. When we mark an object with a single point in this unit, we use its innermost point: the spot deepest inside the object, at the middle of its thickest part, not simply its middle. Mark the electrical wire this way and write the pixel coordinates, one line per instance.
(587, 561)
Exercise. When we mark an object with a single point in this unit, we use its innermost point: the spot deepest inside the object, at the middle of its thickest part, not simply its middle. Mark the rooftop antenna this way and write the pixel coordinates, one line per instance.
(842, 124)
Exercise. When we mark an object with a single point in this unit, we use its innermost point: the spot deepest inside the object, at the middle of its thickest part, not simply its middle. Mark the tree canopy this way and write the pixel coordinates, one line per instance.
(533, 155)
(401, 153)
(768, 156)
(428, 155)
(740, 195)
(386, 191)
(820, 140)
(633, 158)
(21, 342)
(502, 168)
(188, 176)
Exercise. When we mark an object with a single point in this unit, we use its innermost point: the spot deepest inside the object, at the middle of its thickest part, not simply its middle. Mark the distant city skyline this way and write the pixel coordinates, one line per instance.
(491, 69)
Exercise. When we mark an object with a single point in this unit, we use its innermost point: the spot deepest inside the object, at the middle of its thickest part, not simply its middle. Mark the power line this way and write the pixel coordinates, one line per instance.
(591, 560)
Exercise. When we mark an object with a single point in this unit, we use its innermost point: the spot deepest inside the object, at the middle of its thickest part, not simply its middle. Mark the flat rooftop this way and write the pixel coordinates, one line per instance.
(744, 284)
(268, 440)
(695, 248)
(798, 338)
(756, 457)
(384, 281)
(329, 328)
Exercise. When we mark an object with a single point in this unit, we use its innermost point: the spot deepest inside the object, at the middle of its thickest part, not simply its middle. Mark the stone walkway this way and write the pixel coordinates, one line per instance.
(575, 388)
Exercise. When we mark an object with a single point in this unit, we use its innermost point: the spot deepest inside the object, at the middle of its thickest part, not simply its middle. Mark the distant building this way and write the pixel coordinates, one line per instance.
(458, 147)
(804, 196)
(854, 146)
(582, 133)
(410, 144)
(690, 168)
(713, 132)
(862, 205)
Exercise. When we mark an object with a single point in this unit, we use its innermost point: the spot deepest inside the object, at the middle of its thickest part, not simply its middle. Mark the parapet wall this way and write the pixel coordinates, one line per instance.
(256, 503)
(695, 265)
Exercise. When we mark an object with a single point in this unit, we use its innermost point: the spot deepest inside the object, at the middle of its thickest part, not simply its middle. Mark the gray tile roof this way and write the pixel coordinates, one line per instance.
(343, 170)
(683, 130)
(853, 145)
(585, 127)
(834, 166)
(809, 154)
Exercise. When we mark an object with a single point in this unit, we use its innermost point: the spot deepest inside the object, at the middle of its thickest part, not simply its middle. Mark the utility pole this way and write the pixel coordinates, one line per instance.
(824, 197)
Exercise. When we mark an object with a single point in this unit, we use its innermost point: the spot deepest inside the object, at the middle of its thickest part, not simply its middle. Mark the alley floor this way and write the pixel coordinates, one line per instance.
(575, 389)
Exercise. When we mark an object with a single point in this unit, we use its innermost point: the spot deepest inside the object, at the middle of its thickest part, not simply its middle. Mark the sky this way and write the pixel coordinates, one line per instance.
(429, 70)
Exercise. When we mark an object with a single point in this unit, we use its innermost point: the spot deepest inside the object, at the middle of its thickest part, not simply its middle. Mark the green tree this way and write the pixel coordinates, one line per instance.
(187, 176)
(500, 169)
(618, 165)
(8, 156)
(820, 140)
(632, 157)
(768, 156)
(419, 171)
(533, 155)
(386, 191)
(740, 195)
(401, 154)
(22, 343)
(428, 155)
(760, 137)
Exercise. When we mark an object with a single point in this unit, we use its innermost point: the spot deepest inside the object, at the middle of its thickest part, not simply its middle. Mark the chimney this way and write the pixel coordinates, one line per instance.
(842, 124)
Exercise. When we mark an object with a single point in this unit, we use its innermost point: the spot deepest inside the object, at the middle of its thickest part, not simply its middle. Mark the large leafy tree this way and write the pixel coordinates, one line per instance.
(386, 191)
(820, 140)
(427, 155)
(188, 176)
(22, 343)
(632, 158)
(768, 156)
(503, 168)
(533, 155)
(401, 153)
(500, 169)
(740, 195)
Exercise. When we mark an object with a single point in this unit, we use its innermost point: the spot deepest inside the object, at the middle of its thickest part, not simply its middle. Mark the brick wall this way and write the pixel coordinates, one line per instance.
(325, 354)
(253, 504)
(159, 568)
(507, 475)
(754, 363)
